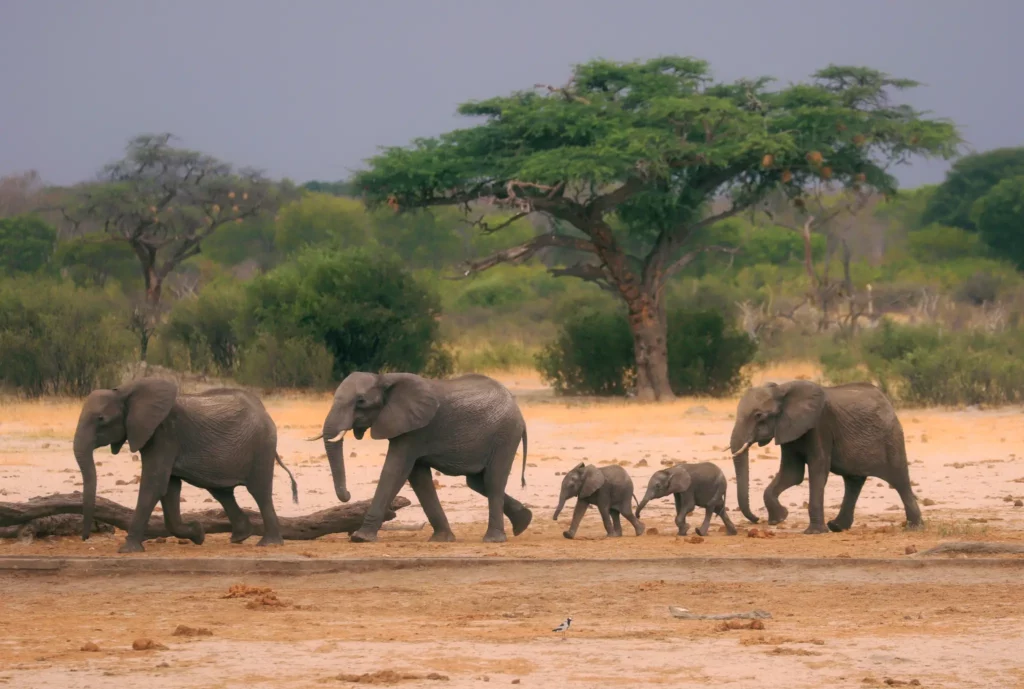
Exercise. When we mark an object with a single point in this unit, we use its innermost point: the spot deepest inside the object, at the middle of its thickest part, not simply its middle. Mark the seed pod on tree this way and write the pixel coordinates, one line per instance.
(767, 160)
(826, 172)
(815, 158)
(787, 176)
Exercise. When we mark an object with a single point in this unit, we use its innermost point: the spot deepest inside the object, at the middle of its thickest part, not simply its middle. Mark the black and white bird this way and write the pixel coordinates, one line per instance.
(564, 627)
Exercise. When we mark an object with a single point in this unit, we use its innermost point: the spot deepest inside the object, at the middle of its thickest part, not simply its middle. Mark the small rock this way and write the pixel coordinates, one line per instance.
(642, 463)
(438, 484)
(910, 549)
(439, 677)
(1018, 503)
(147, 645)
(90, 647)
(651, 531)
(183, 541)
(515, 681)
(160, 540)
(164, 664)
(695, 539)
(927, 502)
(185, 630)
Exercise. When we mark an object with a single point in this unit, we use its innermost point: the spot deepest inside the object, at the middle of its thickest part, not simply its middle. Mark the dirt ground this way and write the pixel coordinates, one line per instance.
(852, 627)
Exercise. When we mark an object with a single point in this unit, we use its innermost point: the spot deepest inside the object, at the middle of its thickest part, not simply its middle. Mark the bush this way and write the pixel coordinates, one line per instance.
(205, 329)
(271, 363)
(594, 355)
(56, 339)
(940, 243)
(361, 305)
(26, 244)
(92, 261)
(921, 365)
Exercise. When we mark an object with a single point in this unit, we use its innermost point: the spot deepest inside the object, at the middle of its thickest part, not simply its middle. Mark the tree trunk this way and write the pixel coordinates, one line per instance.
(648, 324)
(338, 519)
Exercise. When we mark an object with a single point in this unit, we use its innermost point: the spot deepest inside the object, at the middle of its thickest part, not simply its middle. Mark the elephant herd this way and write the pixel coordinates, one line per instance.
(471, 426)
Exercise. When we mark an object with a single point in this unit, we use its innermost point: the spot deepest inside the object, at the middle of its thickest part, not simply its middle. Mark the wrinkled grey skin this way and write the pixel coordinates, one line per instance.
(217, 440)
(849, 430)
(692, 485)
(467, 426)
(609, 488)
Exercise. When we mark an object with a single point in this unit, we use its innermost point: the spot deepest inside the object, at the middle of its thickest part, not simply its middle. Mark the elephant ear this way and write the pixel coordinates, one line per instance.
(593, 478)
(147, 402)
(409, 404)
(680, 481)
(802, 403)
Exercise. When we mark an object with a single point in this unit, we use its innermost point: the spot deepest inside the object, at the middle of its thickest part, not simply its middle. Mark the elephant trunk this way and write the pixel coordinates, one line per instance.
(740, 445)
(336, 458)
(643, 504)
(83, 448)
(561, 503)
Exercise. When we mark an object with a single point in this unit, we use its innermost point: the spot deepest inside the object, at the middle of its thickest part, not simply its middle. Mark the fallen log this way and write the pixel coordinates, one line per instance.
(342, 518)
(973, 548)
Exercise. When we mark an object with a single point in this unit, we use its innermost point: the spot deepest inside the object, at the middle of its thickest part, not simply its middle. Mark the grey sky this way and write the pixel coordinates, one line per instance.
(309, 88)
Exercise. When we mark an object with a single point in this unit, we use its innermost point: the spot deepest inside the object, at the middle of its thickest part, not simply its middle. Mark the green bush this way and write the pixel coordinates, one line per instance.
(205, 329)
(93, 261)
(594, 355)
(26, 244)
(271, 363)
(361, 305)
(56, 339)
(922, 365)
(941, 243)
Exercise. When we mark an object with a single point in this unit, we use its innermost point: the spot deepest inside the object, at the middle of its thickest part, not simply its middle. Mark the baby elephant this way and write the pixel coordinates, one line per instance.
(610, 488)
(700, 485)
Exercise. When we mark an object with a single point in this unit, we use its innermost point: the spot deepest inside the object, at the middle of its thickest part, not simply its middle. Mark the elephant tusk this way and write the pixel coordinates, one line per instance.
(316, 437)
(338, 437)
(743, 449)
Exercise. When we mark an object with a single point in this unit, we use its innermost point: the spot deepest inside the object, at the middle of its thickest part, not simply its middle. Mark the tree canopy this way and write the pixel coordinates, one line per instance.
(636, 155)
(970, 178)
(999, 217)
(26, 244)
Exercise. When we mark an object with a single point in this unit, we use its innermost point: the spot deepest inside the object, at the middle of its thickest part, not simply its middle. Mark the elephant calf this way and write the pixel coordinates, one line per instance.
(692, 485)
(610, 488)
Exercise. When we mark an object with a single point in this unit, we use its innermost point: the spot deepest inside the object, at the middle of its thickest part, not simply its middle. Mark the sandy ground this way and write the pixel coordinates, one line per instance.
(939, 628)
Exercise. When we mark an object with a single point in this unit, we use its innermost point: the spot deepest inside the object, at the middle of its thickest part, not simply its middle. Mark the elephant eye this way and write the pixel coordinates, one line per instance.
(759, 415)
(360, 401)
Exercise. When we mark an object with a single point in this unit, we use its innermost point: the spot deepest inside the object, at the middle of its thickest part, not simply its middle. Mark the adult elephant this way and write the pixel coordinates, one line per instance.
(217, 440)
(850, 430)
(467, 426)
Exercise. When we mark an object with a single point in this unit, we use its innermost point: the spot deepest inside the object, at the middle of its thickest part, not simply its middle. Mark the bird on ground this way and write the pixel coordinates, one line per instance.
(564, 627)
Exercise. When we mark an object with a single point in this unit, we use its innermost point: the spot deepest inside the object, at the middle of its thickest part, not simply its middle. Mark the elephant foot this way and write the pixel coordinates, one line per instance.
(777, 517)
(242, 534)
(520, 520)
(270, 540)
(442, 537)
(836, 527)
(495, 537)
(198, 536)
(701, 532)
(569, 534)
(131, 547)
(614, 534)
(816, 529)
(363, 536)
(914, 526)
(640, 530)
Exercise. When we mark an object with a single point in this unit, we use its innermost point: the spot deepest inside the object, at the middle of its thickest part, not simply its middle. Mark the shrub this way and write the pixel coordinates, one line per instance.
(272, 362)
(922, 365)
(361, 305)
(593, 354)
(92, 261)
(56, 339)
(206, 330)
(26, 244)
(940, 243)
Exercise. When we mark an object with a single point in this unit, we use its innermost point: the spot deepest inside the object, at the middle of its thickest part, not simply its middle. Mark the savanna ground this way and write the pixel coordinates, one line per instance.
(864, 625)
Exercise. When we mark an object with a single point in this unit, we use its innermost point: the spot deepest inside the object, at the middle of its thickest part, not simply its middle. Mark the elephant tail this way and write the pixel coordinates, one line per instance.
(635, 501)
(523, 478)
(295, 486)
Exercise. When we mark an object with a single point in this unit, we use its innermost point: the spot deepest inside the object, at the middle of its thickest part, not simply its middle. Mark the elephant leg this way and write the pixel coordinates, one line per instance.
(616, 522)
(423, 485)
(627, 512)
(730, 528)
(261, 488)
(914, 520)
(897, 457)
(703, 529)
(393, 476)
(172, 514)
(241, 527)
(844, 520)
(517, 513)
(156, 473)
(791, 473)
(606, 519)
(577, 517)
(684, 505)
(817, 474)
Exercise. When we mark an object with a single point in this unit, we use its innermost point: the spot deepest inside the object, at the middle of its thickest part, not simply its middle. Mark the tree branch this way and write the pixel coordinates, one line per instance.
(688, 258)
(588, 272)
(524, 251)
(484, 227)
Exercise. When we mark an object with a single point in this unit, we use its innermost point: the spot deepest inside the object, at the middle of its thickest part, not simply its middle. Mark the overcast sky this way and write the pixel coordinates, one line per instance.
(309, 88)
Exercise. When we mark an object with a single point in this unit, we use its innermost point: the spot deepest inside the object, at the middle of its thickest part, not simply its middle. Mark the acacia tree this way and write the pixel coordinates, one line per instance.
(164, 201)
(635, 154)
